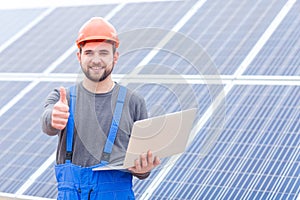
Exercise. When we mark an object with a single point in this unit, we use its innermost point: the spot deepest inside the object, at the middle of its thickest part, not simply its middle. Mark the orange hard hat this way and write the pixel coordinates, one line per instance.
(97, 28)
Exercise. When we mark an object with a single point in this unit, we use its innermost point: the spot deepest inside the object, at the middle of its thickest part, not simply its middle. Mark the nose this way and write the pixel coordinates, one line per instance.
(97, 60)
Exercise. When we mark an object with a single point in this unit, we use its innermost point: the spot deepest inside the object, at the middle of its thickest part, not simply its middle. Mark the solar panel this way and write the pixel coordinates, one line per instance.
(245, 140)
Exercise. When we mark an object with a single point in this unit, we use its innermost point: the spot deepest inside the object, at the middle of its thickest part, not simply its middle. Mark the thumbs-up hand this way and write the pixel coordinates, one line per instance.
(60, 113)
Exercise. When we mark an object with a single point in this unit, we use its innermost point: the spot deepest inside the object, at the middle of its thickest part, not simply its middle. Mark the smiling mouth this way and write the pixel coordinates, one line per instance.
(97, 69)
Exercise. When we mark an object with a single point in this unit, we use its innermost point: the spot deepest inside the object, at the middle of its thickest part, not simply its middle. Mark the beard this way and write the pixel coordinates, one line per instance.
(96, 78)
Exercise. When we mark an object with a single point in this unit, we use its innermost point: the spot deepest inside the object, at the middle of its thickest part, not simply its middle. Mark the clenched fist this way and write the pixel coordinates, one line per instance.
(60, 113)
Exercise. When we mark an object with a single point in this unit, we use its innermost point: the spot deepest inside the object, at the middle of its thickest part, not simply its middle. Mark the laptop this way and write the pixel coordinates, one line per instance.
(164, 135)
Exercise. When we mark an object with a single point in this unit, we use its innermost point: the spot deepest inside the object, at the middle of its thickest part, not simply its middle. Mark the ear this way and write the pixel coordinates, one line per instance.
(78, 56)
(116, 57)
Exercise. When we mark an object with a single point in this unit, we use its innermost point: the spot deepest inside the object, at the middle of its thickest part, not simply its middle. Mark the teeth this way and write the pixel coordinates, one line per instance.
(97, 68)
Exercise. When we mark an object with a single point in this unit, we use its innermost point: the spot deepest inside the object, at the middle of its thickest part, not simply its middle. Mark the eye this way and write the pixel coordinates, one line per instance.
(104, 53)
(88, 53)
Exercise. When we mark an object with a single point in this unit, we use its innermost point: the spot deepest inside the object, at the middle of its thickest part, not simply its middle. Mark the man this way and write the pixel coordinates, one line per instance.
(93, 121)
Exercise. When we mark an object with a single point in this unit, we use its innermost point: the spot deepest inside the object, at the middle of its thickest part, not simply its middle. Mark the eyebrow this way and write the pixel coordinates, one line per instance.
(101, 51)
(104, 51)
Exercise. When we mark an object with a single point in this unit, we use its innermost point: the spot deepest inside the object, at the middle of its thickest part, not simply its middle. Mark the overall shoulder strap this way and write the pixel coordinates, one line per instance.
(114, 126)
(71, 125)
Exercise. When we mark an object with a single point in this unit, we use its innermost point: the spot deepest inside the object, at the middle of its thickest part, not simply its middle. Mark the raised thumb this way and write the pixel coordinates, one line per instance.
(63, 95)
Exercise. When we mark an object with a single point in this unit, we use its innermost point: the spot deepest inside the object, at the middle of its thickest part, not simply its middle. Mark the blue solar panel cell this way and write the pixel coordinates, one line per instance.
(10, 94)
(226, 36)
(278, 57)
(48, 40)
(255, 160)
(44, 185)
(12, 21)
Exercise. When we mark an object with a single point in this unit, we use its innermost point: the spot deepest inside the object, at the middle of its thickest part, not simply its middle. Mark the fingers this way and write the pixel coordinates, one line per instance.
(145, 164)
(63, 95)
(60, 112)
(156, 161)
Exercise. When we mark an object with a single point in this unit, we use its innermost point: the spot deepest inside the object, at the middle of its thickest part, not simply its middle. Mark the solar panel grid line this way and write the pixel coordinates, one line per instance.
(279, 49)
(18, 174)
(18, 97)
(172, 160)
(295, 61)
(26, 29)
(259, 154)
(236, 114)
(36, 174)
(271, 154)
(160, 15)
(265, 37)
(117, 9)
(206, 175)
(205, 31)
(296, 185)
(170, 35)
(291, 186)
(249, 127)
(173, 88)
(278, 37)
(200, 142)
(180, 177)
(187, 190)
(236, 28)
(12, 146)
(172, 191)
(188, 15)
(284, 172)
(140, 36)
(195, 177)
(44, 185)
(236, 111)
(221, 12)
(236, 151)
(6, 123)
(287, 50)
(240, 71)
(196, 128)
(59, 60)
(286, 54)
(141, 9)
(34, 83)
(247, 35)
(279, 157)
(164, 98)
(9, 196)
(160, 78)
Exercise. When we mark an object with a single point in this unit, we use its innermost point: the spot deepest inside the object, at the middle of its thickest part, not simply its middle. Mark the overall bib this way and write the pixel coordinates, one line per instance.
(82, 183)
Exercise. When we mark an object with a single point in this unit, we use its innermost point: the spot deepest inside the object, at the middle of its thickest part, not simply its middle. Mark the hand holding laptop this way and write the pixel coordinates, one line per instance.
(145, 164)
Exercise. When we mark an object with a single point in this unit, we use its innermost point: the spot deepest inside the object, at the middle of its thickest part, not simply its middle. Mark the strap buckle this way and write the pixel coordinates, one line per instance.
(69, 155)
(105, 157)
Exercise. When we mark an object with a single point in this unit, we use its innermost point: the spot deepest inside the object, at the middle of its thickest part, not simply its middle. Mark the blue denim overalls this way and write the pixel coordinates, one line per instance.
(82, 183)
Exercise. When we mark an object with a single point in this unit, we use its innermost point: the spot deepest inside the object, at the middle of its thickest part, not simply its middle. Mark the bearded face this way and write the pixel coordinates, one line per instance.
(97, 60)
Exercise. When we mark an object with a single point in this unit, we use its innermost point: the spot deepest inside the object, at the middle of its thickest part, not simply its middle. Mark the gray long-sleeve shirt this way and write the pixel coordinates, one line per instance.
(93, 117)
